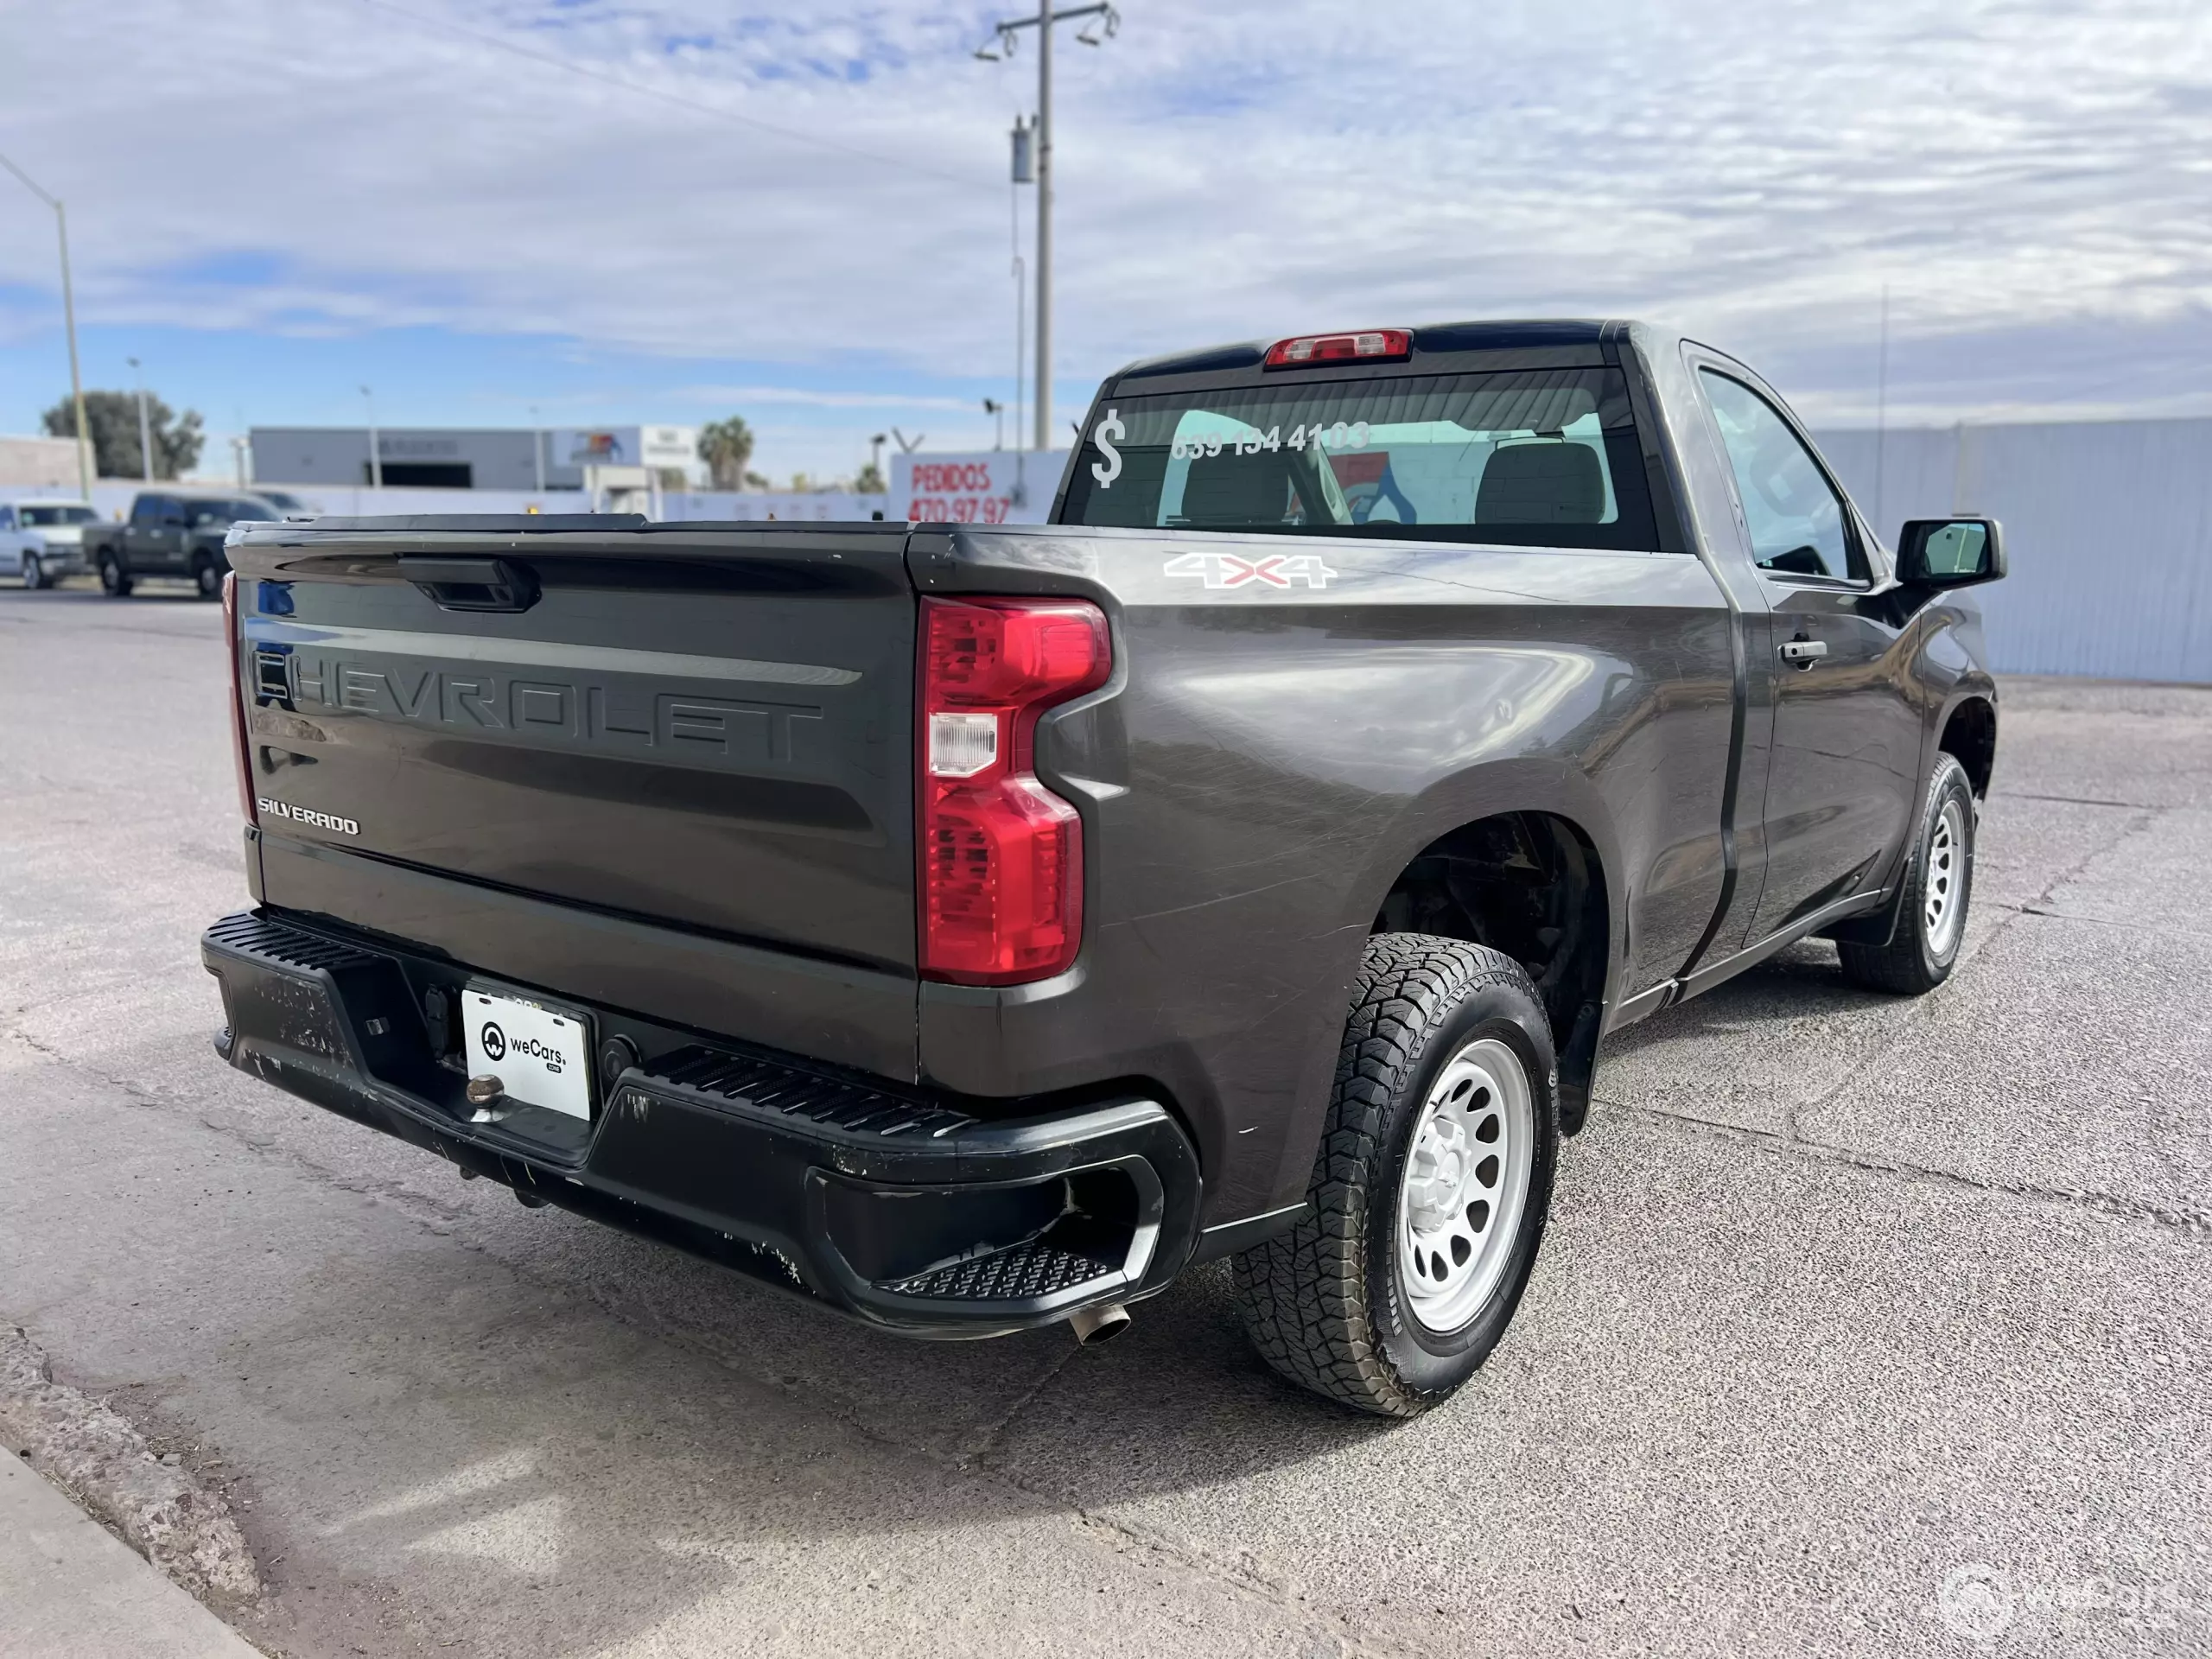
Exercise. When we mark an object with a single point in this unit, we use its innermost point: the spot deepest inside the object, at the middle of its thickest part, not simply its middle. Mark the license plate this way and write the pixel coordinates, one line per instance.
(541, 1056)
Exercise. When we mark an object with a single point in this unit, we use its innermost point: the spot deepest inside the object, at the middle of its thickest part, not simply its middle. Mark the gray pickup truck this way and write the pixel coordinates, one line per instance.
(176, 532)
(972, 928)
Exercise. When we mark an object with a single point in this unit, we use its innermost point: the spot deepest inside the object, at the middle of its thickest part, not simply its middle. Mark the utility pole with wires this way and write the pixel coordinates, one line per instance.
(1103, 17)
(69, 319)
(1881, 408)
(1024, 172)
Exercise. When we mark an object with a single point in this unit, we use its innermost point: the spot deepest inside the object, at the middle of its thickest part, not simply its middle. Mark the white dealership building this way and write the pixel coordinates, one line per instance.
(472, 458)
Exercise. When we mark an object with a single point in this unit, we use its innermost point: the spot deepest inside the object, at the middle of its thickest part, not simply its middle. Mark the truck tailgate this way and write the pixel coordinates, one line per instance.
(709, 729)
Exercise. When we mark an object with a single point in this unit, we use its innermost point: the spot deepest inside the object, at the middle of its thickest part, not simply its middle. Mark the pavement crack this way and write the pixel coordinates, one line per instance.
(426, 1211)
(1793, 1115)
(981, 1444)
(2063, 800)
(2160, 929)
(2191, 1224)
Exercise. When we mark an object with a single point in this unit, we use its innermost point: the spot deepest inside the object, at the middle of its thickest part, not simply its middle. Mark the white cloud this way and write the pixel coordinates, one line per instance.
(2024, 173)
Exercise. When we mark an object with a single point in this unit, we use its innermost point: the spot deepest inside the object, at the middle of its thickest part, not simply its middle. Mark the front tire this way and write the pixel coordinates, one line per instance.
(1431, 1189)
(1938, 885)
(115, 581)
(33, 572)
(206, 579)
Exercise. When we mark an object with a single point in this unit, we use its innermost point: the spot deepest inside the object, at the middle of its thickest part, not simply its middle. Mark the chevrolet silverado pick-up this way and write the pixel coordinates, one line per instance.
(973, 928)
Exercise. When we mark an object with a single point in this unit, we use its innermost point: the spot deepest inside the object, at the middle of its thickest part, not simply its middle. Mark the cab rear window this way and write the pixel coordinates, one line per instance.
(1542, 458)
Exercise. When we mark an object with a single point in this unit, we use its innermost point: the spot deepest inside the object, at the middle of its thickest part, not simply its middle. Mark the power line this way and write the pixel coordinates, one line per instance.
(678, 100)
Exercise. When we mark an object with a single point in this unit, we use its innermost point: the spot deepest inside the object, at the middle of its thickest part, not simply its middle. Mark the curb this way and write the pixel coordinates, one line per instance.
(98, 1458)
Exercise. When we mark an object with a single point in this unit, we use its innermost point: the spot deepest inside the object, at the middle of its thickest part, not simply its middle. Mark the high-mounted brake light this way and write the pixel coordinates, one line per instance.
(238, 749)
(1000, 856)
(1370, 345)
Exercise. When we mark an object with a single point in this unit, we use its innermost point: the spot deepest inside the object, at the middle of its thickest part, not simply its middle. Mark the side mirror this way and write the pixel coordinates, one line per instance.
(1950, 552)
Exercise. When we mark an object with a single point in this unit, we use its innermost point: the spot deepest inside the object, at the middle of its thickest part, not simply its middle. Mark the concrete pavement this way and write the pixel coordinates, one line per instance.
(70, 1591)
(1863, 1326)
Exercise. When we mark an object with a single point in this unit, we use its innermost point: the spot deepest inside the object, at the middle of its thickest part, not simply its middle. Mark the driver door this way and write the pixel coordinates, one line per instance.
(1844, 769)
(154, 534)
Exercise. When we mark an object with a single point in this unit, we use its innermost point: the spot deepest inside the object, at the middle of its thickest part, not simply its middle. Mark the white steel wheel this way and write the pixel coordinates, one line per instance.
(1465, 1185)
(33, 571)
(1941, 910)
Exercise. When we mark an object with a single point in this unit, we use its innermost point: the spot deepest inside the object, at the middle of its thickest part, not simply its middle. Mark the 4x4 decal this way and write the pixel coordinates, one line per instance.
(1221, 570)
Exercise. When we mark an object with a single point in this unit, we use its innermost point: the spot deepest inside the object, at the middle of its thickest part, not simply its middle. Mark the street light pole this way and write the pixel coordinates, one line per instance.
(145, 430)
(69, 319)
(1043, 22)
(1044, 440)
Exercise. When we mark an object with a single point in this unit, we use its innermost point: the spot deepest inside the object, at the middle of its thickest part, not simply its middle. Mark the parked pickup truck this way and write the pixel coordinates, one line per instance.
(42, 541)
(973, 928)
(172, 532)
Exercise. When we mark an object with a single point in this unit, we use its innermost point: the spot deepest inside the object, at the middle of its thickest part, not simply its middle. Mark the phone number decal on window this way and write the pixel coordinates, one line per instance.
(1320, 435)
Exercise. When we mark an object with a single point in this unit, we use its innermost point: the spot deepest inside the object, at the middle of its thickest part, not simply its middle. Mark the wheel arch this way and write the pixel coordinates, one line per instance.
(1522, 859)
(1968, 735)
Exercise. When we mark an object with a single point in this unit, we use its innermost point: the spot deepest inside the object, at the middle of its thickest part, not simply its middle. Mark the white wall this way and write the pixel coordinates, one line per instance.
(2108, 532)
(46, 466)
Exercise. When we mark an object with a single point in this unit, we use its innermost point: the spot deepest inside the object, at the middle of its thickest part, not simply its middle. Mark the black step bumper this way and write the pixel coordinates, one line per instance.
(912, 1212)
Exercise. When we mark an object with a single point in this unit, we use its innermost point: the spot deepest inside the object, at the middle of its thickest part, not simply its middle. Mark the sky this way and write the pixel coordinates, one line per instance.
(585, 211)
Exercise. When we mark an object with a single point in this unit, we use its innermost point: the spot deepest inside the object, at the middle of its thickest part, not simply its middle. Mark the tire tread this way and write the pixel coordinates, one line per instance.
(1303, 1295)
(1900, 967)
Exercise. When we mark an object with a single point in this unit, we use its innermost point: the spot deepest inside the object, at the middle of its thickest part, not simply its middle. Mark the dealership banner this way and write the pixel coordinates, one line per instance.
(622, 445)
(991, 486)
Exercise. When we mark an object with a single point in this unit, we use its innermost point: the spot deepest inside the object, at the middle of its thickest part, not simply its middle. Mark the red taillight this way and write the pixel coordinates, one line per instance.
(1000, 856)
(1368, 344)
(238, 749)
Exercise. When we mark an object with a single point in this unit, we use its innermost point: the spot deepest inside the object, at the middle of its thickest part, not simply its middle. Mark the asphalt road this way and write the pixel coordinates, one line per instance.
(1846, 1298)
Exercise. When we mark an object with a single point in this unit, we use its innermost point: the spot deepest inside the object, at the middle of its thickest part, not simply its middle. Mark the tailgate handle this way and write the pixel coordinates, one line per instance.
(472, 584)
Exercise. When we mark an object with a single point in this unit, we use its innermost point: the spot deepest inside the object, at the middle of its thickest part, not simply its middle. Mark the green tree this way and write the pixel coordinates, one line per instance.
(870, 482)
(727, 448)
(113, 417)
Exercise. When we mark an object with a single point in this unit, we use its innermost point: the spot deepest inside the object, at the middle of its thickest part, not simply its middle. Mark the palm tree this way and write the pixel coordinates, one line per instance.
(726, 447)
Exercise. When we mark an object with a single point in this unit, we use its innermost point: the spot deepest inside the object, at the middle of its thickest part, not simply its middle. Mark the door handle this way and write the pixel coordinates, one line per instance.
(1803, 652)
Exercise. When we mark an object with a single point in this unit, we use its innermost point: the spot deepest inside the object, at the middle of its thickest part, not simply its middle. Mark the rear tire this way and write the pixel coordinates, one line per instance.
(1431, 1189)
(1938, 885)
(115, 581)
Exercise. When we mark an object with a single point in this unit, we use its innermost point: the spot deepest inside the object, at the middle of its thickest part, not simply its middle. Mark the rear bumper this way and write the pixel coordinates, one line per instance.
(902, 1208)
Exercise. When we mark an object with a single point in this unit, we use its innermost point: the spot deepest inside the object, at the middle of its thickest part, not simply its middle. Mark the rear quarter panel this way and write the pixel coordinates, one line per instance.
(1267, 759)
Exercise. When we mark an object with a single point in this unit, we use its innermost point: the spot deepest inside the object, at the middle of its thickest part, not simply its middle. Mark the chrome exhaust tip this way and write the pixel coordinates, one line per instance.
(1096, 1325)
